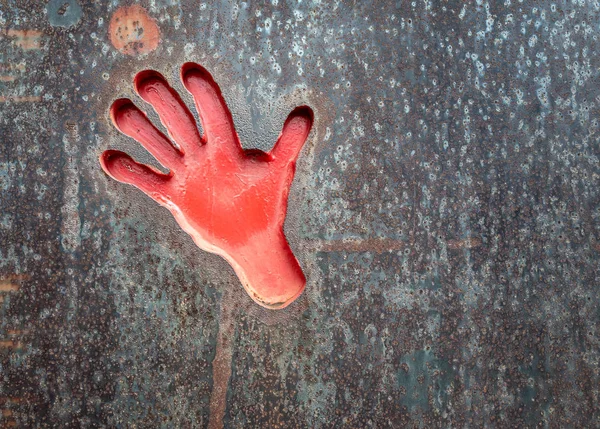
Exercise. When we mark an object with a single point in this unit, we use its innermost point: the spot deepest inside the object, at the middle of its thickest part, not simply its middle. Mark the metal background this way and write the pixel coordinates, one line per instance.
(445, 210)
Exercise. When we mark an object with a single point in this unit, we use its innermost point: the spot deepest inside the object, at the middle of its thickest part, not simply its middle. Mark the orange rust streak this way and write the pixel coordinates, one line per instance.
(8, 286)
(10, 344)
(11, 399)
(7, 78)
(467, 243)
(7, 413)
(20, 99)
(376, 245)
(221, 364)
(13, 66)
(25, 39)
(16, 332)
(381, 245)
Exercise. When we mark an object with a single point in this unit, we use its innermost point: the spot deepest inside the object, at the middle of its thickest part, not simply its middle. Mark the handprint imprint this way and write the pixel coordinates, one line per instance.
(231, 201)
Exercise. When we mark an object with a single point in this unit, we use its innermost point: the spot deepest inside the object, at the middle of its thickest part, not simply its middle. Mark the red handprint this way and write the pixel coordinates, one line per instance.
(231, 201)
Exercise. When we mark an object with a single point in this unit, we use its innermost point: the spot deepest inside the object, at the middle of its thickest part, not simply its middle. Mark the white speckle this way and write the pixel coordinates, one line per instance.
(189, 48)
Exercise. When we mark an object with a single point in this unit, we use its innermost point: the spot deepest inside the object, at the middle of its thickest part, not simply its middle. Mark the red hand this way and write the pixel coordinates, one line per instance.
(230, 200)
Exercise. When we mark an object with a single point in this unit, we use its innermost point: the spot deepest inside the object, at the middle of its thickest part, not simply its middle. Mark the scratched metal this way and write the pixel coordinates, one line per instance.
(446, 211)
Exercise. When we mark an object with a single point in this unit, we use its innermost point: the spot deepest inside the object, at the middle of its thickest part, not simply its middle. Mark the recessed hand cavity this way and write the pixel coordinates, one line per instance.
(231, 201)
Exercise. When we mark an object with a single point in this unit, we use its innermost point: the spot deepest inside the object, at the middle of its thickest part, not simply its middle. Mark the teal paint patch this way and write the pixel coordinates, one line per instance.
(63, 13)
(424, 381)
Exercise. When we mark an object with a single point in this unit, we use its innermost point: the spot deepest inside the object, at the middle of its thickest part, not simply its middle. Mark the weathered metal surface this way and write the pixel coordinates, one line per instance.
(446, 213)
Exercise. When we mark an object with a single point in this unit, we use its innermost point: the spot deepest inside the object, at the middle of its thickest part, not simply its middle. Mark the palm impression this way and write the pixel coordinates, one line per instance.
(231, 201)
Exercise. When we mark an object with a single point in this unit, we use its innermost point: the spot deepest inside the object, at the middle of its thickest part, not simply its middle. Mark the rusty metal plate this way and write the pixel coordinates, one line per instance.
(445, 211)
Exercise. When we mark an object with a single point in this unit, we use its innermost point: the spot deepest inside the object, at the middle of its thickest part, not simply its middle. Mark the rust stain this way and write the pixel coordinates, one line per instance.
(381, 245)
(221, 364)
(9, 420)
(7, 286)
(467, 243)
(16, 332)
(11, 344)
(10, 399)
(24, 39)
(20, 99)
(375, 245)
(132, 31)
(10, 283)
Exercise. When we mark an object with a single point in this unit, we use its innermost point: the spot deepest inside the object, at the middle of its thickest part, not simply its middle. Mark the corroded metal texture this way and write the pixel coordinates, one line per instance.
(445, 211)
